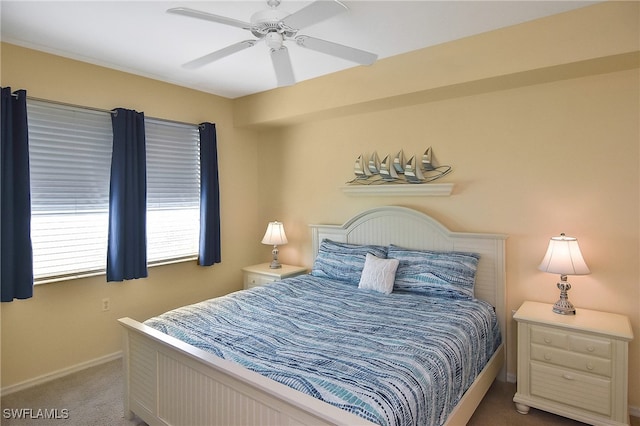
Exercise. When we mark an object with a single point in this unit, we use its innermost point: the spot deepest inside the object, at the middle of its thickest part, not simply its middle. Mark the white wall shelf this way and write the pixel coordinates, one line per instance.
(424, 189)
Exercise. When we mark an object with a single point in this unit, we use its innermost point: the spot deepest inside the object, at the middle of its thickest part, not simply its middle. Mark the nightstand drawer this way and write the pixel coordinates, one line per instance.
(254, 280)
(261, 274)
(586, 363)
(547, 337)
(590, 345)
(571, 388)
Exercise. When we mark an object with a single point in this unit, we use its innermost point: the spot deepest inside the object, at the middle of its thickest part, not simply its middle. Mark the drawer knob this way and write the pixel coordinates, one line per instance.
(589, 366)
(547, 340)
(591, 348)
(567, 376)
(547, 356)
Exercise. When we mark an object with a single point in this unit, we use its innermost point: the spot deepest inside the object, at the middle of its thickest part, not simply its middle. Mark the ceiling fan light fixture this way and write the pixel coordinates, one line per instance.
(274, 40)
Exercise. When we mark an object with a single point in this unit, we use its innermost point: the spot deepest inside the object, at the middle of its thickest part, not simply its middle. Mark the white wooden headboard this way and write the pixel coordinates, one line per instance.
(412, 229)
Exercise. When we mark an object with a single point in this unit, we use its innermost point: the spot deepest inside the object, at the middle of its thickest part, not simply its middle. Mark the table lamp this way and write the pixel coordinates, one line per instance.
(564, 257)
(275, 236)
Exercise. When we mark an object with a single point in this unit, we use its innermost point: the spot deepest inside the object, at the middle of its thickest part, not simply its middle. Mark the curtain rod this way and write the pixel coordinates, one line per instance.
(104, 110)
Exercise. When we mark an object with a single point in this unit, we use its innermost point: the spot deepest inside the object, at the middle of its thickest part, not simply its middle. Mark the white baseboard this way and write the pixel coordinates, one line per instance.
(511, 378)
(59, 373)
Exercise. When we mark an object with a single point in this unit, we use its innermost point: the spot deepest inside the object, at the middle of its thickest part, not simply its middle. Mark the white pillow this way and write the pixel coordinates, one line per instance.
(378, 274)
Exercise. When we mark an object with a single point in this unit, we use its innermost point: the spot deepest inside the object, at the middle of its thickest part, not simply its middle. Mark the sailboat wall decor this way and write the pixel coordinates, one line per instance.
(394, 170)
(388, 171)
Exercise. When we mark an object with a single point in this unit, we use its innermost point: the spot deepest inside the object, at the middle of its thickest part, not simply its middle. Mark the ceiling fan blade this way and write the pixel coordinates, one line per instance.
(282, 66)
(219, 54)
(313, 13)
(345, 52)
(192, 13)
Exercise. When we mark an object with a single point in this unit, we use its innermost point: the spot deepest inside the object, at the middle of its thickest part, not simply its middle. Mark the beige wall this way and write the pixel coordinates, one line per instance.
(63, 324)
(534, 152)
(540, 123)
(529, 162)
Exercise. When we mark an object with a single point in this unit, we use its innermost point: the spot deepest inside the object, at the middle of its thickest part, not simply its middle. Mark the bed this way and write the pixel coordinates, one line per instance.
(170, 381)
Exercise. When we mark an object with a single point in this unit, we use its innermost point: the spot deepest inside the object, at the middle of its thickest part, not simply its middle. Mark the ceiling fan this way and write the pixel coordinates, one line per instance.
(275, 27)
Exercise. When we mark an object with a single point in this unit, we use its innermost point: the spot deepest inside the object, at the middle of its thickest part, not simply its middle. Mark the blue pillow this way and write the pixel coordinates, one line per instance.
(449, 274)
(343, 261)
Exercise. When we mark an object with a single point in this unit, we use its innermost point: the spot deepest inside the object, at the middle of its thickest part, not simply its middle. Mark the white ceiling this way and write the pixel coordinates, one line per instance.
(139, 37)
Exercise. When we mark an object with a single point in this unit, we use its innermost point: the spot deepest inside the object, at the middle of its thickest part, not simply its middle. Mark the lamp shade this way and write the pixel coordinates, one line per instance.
(564, 257)
(275, 235)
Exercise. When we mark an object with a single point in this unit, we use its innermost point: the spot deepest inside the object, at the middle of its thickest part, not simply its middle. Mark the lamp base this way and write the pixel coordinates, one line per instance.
(274, 263)
(563, 306)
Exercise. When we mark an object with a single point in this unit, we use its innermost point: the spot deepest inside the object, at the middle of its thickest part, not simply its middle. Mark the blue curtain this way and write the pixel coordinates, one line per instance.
(209, 197)
(16, 260)
(127, 244)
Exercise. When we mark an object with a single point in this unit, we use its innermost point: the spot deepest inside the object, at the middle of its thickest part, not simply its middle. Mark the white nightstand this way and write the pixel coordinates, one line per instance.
(261, 274)
(573, 365)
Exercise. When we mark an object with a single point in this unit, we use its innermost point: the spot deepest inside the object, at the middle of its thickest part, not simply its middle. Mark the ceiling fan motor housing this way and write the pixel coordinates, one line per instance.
(267, 21)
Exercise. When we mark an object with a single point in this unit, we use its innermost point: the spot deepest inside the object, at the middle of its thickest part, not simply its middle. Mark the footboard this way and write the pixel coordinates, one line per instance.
(168, 382)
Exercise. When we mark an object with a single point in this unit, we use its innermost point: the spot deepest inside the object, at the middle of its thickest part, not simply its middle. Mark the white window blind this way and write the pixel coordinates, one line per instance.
(70, 162)
(70, 158)
(173, 190)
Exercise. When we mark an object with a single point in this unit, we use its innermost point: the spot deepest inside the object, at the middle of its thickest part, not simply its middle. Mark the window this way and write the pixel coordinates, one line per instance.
(70, 163)
(173, 190)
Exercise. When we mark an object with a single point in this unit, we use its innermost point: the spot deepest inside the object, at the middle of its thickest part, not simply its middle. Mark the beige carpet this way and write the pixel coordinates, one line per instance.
(93, 397)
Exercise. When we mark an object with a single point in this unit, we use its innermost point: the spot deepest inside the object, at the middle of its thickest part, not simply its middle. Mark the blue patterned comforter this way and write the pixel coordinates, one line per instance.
(398, 359)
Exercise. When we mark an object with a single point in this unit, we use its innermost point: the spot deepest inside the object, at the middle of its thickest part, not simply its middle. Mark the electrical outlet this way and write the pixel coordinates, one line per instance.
(106, 304)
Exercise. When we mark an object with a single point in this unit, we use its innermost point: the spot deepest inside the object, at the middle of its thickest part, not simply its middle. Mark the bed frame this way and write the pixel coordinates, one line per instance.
(169, 382)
